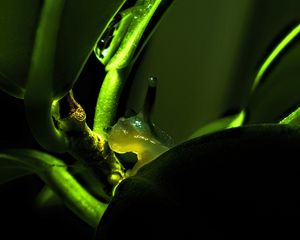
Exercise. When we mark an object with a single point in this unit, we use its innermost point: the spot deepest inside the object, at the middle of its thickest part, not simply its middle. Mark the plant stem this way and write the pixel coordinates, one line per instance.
(89, 148)
(75, 196)
(107, 102)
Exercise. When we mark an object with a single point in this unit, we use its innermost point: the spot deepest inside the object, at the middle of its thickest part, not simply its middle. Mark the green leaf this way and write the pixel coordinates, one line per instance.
(80, 27)
(268, 23)
(65, 37)
(39, 106)
(275, 55)
(231, 121)
(280, 90)
(241, 172)
(275, 80)
(18, 22)
(82, 24)
(292, 118)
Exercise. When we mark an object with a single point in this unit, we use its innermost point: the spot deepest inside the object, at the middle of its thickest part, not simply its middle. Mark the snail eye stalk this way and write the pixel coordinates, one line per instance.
(149, 100)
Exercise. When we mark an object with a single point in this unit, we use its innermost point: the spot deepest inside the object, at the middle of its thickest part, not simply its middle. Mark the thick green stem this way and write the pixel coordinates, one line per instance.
(74, 195)
(107, 102)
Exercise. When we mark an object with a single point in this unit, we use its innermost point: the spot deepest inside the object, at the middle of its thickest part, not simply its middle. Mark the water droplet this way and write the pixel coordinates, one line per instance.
(103, 44)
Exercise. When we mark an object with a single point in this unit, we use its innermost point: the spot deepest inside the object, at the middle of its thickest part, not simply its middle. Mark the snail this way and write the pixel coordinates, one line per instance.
(137, 134)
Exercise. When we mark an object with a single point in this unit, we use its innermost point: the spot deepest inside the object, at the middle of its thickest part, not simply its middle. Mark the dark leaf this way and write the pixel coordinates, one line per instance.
(211, 187)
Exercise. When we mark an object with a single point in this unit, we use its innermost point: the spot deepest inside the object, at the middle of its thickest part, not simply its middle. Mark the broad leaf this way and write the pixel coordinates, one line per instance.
(18, 23)
(81, 25)
(59, 52)
(210, 187)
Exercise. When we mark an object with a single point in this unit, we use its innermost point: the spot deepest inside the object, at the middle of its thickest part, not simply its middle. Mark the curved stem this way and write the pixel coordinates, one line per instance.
(39, 94)
(75, 196)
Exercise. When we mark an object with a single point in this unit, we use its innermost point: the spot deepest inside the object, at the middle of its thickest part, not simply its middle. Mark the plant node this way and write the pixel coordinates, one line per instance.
(87, 146)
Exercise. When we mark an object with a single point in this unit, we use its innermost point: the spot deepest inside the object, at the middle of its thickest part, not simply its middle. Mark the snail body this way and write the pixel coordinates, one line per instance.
(134, 135)
(137, 134)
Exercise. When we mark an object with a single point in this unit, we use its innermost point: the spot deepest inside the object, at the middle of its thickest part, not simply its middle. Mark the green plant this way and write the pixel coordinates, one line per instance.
(42, 68)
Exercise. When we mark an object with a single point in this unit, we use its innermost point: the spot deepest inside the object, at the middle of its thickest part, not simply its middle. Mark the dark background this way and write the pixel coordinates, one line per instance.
(205, 54)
